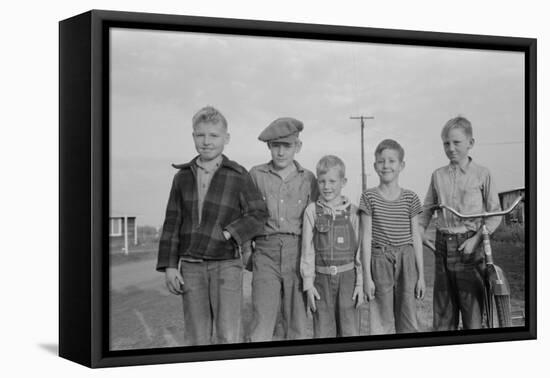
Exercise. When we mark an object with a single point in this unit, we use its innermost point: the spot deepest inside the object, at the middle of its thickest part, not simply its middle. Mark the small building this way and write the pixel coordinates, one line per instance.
(122, 232)
(506, 199)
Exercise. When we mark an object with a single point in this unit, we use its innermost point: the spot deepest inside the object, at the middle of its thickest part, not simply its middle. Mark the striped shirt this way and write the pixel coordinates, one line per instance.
(391, 219)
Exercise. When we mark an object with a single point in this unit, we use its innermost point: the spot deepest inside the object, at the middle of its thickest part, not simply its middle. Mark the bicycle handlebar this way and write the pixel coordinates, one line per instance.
(484, 215)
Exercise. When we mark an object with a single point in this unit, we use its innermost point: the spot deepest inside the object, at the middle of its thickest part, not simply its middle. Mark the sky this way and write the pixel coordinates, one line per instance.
(159, 80)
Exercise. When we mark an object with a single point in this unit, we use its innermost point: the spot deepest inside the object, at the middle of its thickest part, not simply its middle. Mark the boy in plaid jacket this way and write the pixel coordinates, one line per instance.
(213, 208)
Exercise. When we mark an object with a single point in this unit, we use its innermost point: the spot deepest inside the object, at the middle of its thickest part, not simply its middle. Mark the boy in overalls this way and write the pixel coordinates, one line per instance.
(330, 263)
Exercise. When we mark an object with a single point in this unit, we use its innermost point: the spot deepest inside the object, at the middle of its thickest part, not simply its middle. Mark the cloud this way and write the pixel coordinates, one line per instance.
(160, 79)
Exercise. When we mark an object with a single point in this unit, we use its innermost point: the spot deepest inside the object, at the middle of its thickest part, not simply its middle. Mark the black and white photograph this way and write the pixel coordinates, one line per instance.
(209, 188)
(268, 189)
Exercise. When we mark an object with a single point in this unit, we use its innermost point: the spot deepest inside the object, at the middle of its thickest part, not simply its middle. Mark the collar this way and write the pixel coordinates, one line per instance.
(209, 166)
(224, 163)
(341, 207)
(268, 167)
(466, 168)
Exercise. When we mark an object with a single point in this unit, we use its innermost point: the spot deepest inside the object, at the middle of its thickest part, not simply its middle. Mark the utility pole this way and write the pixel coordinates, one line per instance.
(363, 172)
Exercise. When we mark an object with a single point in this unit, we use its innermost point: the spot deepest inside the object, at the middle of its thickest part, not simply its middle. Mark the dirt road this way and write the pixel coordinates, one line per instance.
(145, 315)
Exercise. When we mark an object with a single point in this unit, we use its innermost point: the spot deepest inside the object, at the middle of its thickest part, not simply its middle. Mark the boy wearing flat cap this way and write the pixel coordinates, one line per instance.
(287, 189)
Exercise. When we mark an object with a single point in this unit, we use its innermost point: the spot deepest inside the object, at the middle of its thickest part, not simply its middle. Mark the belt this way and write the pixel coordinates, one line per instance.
(333, 269)
(275, 236)
(461, 236)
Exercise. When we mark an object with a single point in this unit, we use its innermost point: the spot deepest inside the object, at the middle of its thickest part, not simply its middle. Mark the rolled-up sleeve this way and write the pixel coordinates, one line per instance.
(492, 202)
(430, 201)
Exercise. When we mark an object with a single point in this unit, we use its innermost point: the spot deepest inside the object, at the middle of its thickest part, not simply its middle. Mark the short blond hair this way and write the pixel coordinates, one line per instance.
(459, 122)
(211, 115)
(328, 162)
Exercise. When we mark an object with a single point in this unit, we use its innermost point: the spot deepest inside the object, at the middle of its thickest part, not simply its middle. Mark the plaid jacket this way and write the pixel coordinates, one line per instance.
(232, 203)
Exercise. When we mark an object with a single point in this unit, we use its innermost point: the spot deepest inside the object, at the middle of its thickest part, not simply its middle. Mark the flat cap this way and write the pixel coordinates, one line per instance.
(284, 129)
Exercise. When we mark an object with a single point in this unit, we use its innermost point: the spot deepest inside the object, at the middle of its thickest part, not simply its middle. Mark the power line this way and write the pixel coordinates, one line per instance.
(497, 143)
(363, 174)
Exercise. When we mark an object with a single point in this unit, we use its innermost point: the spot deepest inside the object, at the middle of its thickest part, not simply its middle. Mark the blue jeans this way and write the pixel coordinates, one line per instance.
(276, 280)
(336, 314)
(212, 301)
(394, 274)
(458, 284)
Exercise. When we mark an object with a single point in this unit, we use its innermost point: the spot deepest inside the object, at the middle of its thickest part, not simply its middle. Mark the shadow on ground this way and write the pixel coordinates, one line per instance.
(51, 348)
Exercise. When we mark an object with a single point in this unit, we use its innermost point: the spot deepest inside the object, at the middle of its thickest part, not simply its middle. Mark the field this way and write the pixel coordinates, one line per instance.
(145, 315)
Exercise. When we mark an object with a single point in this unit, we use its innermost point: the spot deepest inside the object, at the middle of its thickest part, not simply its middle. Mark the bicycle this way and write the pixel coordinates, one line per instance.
(497, 289)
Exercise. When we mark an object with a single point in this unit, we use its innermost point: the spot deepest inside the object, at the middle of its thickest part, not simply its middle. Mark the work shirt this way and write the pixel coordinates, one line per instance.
(307, 262)
(469, 190)
(205, 171)
(286, 198)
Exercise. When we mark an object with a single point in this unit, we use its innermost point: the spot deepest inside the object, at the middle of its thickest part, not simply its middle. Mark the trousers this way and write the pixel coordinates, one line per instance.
(394, 306)
(458, 284)
(212, 301)
(277, 286)
(336, 314)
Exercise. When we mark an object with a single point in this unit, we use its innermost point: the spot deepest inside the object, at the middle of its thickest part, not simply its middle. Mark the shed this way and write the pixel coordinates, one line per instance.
(506, 199)
(122, 231)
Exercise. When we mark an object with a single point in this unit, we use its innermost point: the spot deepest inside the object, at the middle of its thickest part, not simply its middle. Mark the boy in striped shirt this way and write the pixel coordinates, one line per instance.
(393, 272)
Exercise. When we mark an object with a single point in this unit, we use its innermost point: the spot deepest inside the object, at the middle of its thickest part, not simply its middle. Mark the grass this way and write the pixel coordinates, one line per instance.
(509, 233)
(147, 250)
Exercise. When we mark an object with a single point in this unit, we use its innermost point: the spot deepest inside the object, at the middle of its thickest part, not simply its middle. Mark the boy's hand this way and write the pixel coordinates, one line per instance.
(469, 245)
(370, 289)
(174, 281)
(247, 259)
(358, 296)
(420, 288)
(312, 296)
(247, 250)
(428, 242)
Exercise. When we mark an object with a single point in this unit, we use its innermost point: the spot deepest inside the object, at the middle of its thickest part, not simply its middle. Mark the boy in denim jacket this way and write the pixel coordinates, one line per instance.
(330, 264)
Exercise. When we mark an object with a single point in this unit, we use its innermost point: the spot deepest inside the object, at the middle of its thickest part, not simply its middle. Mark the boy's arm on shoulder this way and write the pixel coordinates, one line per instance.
(169, 241)
(254, 212)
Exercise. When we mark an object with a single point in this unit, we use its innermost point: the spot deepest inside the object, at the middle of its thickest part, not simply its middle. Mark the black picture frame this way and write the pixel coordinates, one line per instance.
(84, 186)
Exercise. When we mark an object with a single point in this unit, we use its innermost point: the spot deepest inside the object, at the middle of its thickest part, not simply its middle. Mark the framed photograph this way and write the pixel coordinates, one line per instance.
(235, 188)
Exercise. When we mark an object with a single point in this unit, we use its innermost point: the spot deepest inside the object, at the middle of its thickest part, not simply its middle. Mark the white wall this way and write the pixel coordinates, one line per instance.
(29, 190)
